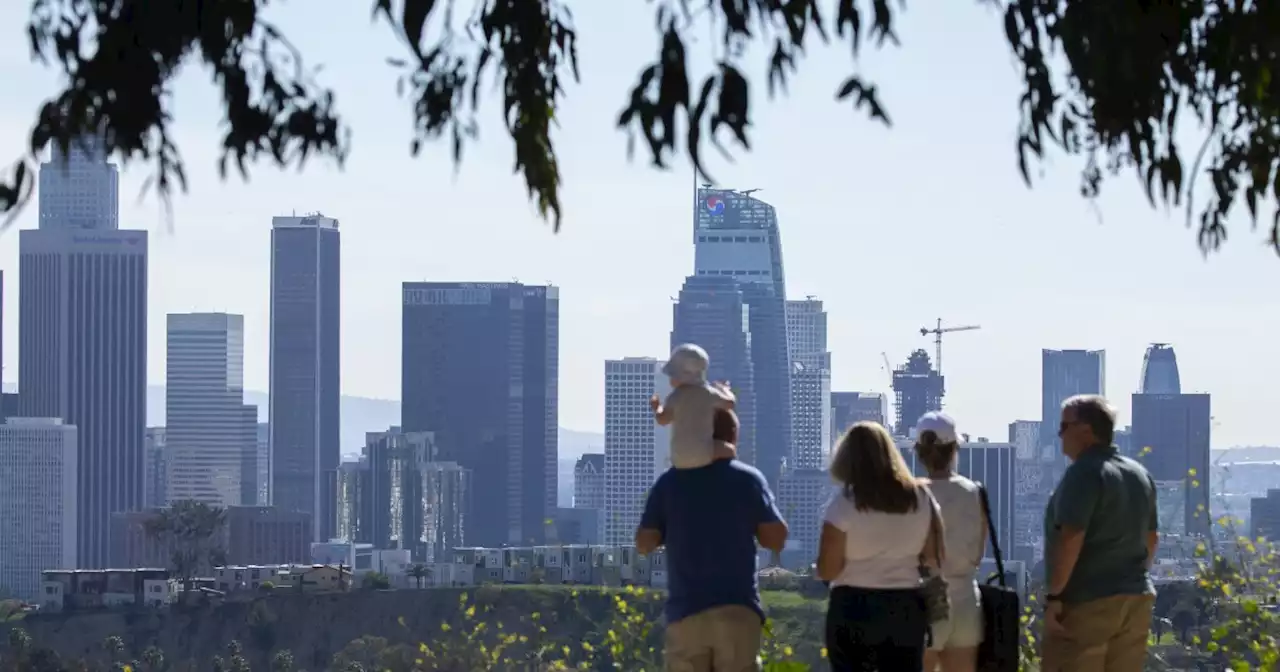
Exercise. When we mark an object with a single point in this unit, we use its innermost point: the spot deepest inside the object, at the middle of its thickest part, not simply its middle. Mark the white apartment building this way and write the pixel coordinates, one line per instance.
(211, 433)
(810, 384)
(38, 503)
(635, 447)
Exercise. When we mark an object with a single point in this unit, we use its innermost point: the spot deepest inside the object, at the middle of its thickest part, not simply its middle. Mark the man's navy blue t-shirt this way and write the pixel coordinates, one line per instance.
(708, 519)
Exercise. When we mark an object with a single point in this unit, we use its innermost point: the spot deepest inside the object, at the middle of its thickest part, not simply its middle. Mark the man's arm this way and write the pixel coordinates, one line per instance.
(1077, 498)
(771, 530)
(653, 522)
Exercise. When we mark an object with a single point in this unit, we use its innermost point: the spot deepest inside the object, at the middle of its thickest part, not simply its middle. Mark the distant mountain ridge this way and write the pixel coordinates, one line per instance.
(363, 414)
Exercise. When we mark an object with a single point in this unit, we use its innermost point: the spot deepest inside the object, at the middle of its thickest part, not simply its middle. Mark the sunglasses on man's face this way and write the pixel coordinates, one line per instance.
(1066, 424)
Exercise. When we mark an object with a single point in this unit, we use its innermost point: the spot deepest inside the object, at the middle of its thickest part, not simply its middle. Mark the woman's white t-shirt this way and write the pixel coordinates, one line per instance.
(881, 550)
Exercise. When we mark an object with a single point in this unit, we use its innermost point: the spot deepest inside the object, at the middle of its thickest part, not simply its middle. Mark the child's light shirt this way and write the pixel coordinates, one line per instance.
(693, 410)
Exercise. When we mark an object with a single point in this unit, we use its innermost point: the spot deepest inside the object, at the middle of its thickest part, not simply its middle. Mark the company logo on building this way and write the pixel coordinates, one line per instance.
(715, 205)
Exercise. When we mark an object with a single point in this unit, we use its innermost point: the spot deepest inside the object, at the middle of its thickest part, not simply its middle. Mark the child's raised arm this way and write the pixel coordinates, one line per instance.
(663, 414)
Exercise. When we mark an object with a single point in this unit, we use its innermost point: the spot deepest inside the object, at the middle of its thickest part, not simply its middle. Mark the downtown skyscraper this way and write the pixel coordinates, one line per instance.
(210, 433)
(810, 384)
(736, 239)
(480, 369)
(1171, 434)
(305, 358)
(82, 339)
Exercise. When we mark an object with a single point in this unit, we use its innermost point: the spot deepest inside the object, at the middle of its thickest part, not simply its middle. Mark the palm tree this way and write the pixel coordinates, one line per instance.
(418, 572)
(190, 530)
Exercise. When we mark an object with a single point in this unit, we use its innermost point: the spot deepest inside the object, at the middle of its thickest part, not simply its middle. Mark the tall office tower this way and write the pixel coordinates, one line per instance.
(588, 482)
(211, 433)
(412, 500)
(79, 188)
(155, 469)
(737, 236)
(918, 388)
(810, 384)
(82, 337)
(264, 463)
(480, 369)
(1171, 439)
(305, 357)
(712, 312)
(1160, 371)
(850, 408)
(38, 460)
(1064, 374)
(991, 464)
(634, 445)
(1032, 480)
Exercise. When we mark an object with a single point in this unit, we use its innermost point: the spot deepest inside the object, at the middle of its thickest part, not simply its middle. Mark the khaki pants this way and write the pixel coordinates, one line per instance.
(721, 639)
(1106, 635)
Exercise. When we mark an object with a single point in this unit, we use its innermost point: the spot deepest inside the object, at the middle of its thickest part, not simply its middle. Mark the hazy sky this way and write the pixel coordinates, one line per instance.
(891, 228)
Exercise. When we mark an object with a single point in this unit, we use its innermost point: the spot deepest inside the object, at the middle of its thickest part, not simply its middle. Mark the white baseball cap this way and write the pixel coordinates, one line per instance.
(940, 424)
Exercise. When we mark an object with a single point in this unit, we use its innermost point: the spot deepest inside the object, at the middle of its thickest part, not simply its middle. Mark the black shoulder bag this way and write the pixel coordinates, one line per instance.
(1001, 610)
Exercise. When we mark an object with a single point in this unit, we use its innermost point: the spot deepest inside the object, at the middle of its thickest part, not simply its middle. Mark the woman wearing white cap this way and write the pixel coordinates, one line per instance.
(954, 645)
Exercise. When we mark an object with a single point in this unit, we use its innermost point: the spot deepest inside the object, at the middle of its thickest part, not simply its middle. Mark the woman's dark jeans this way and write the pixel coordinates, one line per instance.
(876, 630)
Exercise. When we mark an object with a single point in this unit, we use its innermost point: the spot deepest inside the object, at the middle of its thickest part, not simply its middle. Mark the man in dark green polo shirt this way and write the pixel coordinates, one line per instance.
(1100, 539)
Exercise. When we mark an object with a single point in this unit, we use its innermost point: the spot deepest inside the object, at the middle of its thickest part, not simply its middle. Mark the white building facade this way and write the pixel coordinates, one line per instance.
(38, 503)
(810, 384)
(211, 433)
(635, 447)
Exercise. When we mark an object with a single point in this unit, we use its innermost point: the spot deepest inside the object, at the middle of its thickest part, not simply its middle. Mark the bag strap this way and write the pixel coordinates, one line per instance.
(991, 532)
(935, 531)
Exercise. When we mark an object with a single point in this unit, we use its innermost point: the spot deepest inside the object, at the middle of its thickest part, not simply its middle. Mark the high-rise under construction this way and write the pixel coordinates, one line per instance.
(918, 389)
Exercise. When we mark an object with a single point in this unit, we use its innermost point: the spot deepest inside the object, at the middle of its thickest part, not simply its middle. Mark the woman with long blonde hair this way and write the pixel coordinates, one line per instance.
(881, 533)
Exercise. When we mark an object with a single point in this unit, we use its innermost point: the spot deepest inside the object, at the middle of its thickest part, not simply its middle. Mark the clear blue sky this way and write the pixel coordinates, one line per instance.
(891, 228)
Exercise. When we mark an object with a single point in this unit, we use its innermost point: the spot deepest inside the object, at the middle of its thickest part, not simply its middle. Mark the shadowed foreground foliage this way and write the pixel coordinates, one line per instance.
(1229, 624)
(1106, 81)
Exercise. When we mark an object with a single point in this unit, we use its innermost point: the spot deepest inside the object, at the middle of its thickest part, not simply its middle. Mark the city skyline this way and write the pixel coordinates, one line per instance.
(887, 250)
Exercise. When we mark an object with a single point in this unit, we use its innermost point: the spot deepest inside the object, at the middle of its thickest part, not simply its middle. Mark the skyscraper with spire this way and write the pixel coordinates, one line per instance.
(736, 238)
(82, 334)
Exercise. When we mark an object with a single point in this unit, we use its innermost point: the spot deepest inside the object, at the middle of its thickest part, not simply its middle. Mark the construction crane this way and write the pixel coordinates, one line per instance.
(748, 192)
(937, 332)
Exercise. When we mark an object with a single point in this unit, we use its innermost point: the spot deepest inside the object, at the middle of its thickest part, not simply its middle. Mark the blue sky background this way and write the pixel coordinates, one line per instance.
(891, 228)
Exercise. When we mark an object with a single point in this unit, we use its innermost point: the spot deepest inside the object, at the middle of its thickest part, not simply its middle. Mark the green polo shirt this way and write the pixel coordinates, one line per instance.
(1113, 499)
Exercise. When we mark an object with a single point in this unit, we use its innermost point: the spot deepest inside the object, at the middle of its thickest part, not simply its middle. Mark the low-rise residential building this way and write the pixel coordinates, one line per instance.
(568, 564)
(308, 578)
(82, 589)
(362, 559)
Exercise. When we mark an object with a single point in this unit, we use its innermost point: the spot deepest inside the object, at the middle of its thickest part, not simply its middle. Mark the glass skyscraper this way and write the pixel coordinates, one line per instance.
(305, 360)
(736, 237)
(480, 370)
